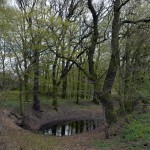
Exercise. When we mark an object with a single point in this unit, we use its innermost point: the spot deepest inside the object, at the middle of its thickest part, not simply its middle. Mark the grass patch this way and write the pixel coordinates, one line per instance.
(9, 99)
(138, 129)
(30, 141)
(103, 144)
(136, 135)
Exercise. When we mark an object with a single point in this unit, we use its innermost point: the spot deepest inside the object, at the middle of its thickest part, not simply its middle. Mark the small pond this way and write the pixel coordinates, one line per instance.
(69, 128)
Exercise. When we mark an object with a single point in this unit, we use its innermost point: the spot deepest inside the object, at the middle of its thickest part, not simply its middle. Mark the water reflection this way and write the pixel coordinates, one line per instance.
(71, 128)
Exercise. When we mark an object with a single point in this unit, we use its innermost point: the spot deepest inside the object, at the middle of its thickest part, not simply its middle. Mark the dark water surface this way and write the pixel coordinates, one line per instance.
(70, 128)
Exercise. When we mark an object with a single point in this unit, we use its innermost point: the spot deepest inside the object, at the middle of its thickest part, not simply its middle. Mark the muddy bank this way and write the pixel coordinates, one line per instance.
(9, 120)
(33, 120)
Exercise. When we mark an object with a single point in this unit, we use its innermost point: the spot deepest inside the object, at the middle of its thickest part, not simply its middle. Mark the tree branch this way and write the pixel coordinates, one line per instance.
(146, 20)
(124, 3)
(71, 60)
(90, 5)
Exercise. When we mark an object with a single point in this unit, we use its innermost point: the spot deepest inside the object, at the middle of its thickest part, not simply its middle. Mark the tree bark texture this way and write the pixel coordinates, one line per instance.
(36, 104)
(105, 96)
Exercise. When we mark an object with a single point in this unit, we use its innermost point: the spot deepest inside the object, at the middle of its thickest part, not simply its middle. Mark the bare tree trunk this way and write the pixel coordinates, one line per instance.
(92, 47)
(36, 104)
(3, 53)
(26, 74)
(78, 86)
(21, 98)
(64, 82)
(64, 88)
(3, 69)
(55, 103)
(26, 87)
(20, 89)
(54, 80)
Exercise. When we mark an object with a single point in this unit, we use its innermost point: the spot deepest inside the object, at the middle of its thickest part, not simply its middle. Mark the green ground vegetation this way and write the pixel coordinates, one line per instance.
(135, 135)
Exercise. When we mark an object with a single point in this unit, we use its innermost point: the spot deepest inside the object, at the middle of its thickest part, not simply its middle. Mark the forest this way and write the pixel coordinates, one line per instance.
(72, 61)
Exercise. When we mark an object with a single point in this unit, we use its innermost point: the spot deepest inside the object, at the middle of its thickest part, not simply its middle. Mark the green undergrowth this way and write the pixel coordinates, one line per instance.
(137, 134)
(134, 136)
(103, 144)
(10, 99)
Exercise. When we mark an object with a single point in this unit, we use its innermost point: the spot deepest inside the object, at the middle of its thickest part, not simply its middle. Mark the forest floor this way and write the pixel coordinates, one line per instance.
(66, 113)
(123, 136)
(13, 137)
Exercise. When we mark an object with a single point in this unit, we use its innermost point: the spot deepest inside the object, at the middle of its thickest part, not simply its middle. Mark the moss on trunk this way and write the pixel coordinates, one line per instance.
(110, 112)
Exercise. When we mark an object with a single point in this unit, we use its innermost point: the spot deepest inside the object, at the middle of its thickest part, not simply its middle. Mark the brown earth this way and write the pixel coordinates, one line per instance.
(13, 137)
(33, 120)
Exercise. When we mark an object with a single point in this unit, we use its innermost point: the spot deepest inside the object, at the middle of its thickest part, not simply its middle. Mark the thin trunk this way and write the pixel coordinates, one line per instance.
(20, 90)
(25, 57)
(26, 87)
(73, 84)
(64, 88)
(94, 94)
(3, 81)
(92, 47)
(54, 103)
(3, 67)
(64, 82)
(95, 100)
(36, 104)
(126, 79)
(21, 98)
(78, 87)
